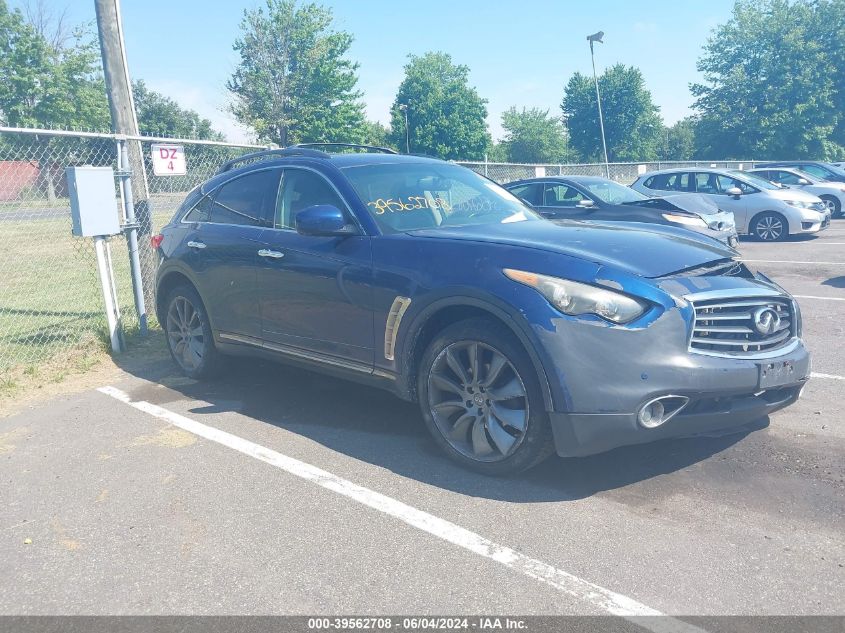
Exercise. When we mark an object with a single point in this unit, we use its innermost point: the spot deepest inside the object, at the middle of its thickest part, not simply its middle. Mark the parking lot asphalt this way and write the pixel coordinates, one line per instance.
(277, 491)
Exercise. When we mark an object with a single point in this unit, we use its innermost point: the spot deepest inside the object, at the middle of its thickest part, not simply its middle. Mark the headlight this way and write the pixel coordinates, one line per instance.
(686, 220)
(801, 204)
(574, 298)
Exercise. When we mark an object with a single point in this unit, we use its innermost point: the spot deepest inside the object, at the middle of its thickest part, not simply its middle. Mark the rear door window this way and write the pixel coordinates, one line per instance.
(532, 193)
(561, 196)
(248, 200)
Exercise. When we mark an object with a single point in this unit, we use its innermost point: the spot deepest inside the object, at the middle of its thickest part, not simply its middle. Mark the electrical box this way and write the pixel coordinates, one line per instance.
(93, 203)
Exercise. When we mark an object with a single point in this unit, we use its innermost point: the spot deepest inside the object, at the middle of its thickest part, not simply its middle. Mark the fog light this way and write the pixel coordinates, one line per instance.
(652, 414)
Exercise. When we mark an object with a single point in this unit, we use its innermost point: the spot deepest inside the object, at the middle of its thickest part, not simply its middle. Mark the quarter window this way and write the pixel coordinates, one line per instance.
(302, 189)
(201, 211)
(248, 200)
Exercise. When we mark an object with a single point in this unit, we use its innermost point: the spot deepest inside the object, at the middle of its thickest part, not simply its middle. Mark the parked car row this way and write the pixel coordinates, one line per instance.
(770, 202)
(517, 336)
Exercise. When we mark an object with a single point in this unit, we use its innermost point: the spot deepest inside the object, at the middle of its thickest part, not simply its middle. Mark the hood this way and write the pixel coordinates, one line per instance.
(793, 194)
(634, 249)
(689, 202)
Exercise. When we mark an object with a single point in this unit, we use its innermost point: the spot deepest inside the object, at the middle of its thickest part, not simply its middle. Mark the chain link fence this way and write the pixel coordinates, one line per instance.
(624, 173)
(50, 296)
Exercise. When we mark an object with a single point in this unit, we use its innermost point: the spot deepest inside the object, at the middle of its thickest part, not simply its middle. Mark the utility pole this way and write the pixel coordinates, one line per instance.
(597, 37)
(130, 154)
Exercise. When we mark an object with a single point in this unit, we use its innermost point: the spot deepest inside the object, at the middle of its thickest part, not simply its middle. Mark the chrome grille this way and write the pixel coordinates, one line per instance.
(729, 327)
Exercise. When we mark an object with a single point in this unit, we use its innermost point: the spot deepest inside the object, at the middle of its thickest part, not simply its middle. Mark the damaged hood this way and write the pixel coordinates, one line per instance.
(634, 249)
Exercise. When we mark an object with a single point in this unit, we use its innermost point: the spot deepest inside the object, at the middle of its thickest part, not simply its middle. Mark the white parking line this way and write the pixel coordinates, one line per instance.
(604, 599)
(816, 297)
(827, 376)
(787, 261)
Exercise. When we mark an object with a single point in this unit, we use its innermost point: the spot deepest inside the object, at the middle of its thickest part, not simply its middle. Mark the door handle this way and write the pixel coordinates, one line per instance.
(272, 254)
(196, 245)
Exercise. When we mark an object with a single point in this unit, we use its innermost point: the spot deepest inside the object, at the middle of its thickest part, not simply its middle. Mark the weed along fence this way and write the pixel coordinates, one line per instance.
(51, 294)
(51, 298)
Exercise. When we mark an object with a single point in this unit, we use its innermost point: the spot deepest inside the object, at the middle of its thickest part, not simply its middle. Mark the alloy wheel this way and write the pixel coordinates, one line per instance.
(478, 401)
(769, 228)
(185, 334)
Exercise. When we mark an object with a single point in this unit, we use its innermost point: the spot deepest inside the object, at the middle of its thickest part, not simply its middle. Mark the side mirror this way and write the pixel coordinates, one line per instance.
(586, 203)
(323, 219)
(734, 192)
(803, 181)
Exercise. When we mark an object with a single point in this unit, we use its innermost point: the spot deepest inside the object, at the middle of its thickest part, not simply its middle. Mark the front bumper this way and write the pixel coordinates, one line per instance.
(810, 223)
(606, 374)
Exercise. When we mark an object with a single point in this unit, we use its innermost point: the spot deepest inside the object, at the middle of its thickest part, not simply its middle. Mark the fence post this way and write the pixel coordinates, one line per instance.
(131, 228)
(107, 283)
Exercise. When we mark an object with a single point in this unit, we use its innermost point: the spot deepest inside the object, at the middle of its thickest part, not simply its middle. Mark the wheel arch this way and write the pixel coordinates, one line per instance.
(444, 312)
(756, 216)
(165, 284)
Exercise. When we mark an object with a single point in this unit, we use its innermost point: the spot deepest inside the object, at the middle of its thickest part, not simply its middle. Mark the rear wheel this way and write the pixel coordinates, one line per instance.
(833, 204)
(770, 227)
(189, 335)
(481, 399)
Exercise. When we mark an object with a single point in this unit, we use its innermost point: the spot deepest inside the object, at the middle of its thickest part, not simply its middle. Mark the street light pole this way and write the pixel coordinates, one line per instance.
(404, 108)
(596, 37)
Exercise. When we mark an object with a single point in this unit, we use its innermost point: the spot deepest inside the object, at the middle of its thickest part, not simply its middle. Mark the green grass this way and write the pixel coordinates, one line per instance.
(50, 295)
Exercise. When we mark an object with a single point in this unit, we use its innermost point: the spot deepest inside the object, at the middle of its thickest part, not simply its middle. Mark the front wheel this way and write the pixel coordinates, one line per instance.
(833, 204)
(189, 335)
(770, 227)
(481, 400)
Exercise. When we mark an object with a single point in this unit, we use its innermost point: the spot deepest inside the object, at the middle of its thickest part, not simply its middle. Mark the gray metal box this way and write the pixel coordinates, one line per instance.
(93, 204)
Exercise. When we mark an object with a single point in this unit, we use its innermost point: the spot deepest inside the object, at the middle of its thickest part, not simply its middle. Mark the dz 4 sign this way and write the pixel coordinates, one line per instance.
(168, 160)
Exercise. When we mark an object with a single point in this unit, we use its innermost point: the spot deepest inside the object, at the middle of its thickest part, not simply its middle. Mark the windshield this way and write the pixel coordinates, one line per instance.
(754, 179)
(611, 192)
(412, 196)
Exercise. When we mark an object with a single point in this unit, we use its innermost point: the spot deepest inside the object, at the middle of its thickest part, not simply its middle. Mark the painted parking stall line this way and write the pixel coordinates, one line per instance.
(819, 298)
(826, 376)
(566, 583)
(788, 261)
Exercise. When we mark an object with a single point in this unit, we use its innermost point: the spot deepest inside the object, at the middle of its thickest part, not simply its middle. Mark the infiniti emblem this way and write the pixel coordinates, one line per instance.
(766, 320)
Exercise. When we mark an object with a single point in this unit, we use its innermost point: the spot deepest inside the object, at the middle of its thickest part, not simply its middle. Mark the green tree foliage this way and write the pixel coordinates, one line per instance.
(632, 121)
(680, 140)
(774, 81)
(293, 83)
(42, 85)
(446, 116)
(161, 116)
(374, 133)
(532, 136)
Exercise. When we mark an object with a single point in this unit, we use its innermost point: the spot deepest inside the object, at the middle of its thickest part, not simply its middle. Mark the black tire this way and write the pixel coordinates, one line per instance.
(470, 422)
(192, 348)
(769, 226)
(834, 204)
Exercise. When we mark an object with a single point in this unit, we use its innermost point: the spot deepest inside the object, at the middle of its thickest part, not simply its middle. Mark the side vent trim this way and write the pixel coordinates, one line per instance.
(391, 327)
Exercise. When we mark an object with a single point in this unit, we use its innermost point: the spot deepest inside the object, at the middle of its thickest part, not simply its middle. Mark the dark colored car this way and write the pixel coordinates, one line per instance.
(599, 199)
(825, 171)
(517, 336)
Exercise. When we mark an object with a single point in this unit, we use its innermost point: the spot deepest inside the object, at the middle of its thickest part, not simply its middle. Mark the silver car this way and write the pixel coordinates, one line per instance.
(761, 208)
(831, 193)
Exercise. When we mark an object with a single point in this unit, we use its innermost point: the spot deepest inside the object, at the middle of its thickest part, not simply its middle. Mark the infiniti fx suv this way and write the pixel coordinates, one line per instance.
(517, 336)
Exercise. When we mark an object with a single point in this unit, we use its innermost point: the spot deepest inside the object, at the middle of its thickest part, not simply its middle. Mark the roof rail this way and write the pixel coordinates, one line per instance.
(371, 148)
(294, 150)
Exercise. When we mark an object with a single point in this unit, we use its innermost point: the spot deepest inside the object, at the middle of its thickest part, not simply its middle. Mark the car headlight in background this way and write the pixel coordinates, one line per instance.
(686, 220)
(576, 299)
(800, 204)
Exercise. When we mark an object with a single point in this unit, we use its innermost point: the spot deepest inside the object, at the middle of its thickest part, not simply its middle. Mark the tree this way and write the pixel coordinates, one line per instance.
(632, 121)
(161, 116)
(680, 140)
(446, 116)
(44, 86)
(532, 136)
(374, 133)
(773, 83)
(293, 83)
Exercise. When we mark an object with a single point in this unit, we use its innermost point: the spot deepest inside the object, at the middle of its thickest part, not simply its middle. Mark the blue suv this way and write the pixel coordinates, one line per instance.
(518, 337)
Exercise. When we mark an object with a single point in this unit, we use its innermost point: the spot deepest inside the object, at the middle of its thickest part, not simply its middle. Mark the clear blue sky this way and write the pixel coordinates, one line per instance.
(519, 53)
